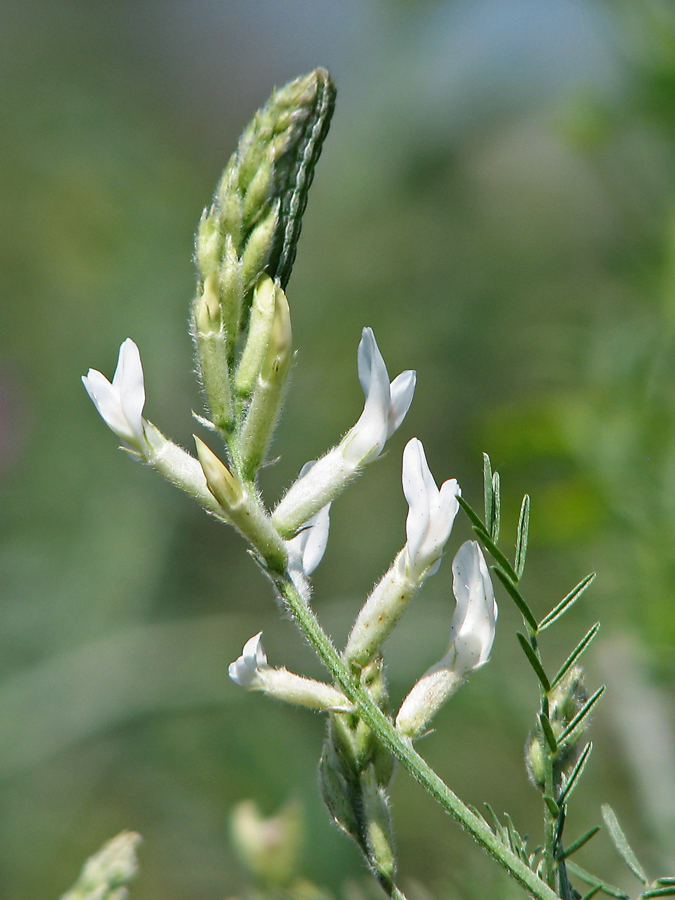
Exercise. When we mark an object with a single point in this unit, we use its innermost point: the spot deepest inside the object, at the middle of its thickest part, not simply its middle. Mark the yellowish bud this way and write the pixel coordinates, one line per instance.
(220, 481)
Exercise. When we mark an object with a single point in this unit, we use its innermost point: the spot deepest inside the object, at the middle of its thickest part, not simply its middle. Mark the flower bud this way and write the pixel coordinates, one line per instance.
(208, 244)
(106, 874)
(259, 189)
(472, 633)
(212, 352)
(242, 509)
(258, 337)
(258, 247)
(385, 408)
(252, 672)
(265, 406)
(268, 847)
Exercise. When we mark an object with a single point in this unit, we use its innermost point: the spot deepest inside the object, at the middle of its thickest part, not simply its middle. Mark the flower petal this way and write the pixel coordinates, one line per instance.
(472, 630)
(107, 402)
(415, 490)
(128, 380)
(401, 393)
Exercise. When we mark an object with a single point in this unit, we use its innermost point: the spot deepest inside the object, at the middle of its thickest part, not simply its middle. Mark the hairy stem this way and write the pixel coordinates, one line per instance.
(403, 749)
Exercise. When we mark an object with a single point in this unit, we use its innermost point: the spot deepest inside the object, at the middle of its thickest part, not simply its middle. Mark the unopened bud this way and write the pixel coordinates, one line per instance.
(208, 243)
(258, 337)
(258, 191)
(242, 509)
(263, 412)
(379, 830)
(207, 307)
(230, 203)
(258, 247)
(268, 847)
(221, 482)
(231, 287)
(106, 874)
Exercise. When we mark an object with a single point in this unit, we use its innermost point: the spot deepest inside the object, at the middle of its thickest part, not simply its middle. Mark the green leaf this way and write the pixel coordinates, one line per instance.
(521, 540)
(577, 771)
(487, 493)
(592, 892)
(548, 732)
(579, 843)
(667, 879)
(474, 518)
(496, 507)
(553, 807)
(621, 843)
(575, 654)
(587, 878)
(567, 602)
(495, 552)
(581, 715)
(659, 892)
(533, 661)
(517, 598)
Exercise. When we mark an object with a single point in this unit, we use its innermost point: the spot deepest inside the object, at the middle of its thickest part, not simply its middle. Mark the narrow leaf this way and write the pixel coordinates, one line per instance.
(517, 597)
(553, 807)
(576, 845)
(474, 518)
(587, 878)
(581, 715)
(576, 774)
(621, 843)
(495, 552)
(575, 654)
(548, 732)
(533, 661)
(521, 540)
(667, 879)
(566, 602)
(659, 892)
(496, 507)
(592, 892)
(487, 492)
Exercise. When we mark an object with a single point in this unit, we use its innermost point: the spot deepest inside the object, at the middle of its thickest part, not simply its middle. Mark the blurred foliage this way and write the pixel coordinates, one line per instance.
(497, 201)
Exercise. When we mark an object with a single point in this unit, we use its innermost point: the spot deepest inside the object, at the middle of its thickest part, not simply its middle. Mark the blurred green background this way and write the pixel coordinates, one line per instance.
(497, 200)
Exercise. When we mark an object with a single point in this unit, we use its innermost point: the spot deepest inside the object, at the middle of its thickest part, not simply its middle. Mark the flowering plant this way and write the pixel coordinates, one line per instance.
(241, 327)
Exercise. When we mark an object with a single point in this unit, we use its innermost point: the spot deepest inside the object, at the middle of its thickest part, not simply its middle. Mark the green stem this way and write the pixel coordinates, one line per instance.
(403, 750)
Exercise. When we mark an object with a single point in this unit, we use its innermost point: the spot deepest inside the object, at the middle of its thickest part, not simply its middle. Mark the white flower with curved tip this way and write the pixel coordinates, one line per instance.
(306, 549)
(245, 670)
(472, 630)
(252, 672)
(385, 407)
(120, 404)
(472, 633)
(431, 512)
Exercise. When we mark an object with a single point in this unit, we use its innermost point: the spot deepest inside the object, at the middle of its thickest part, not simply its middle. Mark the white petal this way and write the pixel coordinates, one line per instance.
(107, 402)
(316, 541)
(473, 624)
(128, 380)
(401, 393)
(416, 494)
(244, 671)
(368, 436)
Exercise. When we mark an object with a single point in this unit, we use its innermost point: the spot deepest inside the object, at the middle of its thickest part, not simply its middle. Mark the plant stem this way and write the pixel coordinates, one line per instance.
(402, 749)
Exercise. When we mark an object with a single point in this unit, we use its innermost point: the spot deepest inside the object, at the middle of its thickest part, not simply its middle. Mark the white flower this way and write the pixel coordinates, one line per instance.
(245, 670)
(472, 633)
(385, 407)
(252, 672)
(306, 549)
(121, 403)
(472, 629)
(431, 512)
